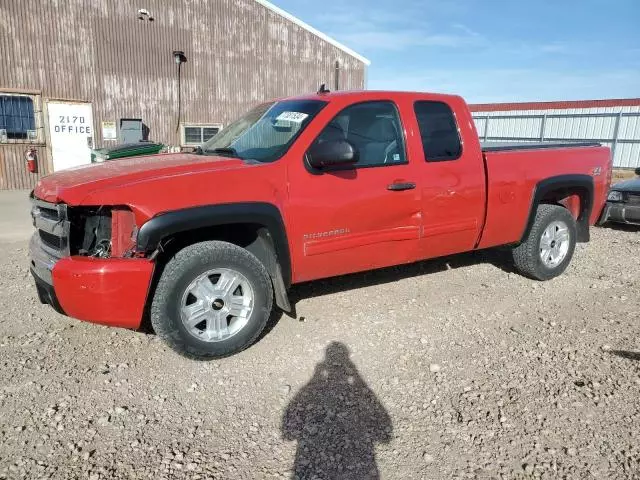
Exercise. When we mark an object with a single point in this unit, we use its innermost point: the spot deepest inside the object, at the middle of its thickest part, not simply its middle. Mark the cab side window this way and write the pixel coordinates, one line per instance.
(438, 131)
(374, 129)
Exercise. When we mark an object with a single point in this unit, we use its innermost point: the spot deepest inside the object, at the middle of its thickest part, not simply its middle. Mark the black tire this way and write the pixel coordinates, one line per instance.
(186, 266)
(527, 257)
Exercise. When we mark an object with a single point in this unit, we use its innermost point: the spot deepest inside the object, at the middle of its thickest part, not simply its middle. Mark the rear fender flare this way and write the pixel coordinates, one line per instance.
(576, 183)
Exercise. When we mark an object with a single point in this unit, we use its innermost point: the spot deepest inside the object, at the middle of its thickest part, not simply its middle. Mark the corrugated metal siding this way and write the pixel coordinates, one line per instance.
(13, 167)
(601, 124)
(238, 53)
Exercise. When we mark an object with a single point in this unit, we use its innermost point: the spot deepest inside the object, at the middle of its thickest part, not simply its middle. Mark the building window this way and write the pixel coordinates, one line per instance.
(193, 135)
(438, 131)
(17, 118)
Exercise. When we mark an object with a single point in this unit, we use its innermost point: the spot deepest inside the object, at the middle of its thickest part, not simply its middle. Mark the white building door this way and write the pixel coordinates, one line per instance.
(70, 133)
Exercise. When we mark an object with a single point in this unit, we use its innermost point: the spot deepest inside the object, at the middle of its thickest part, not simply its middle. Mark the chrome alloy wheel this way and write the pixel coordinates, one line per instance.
(554, 244)
(217, 305)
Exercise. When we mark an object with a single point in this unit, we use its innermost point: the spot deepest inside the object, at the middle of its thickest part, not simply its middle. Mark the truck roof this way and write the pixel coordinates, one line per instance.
(370, 94)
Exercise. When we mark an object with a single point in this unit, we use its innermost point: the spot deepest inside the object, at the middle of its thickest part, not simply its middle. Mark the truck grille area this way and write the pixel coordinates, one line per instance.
(52, 241)
(64, 231)
(634, 199)
(53, 227)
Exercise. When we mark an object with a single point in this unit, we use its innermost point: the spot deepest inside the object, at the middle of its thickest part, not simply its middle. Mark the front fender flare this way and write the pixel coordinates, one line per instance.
(264, 214)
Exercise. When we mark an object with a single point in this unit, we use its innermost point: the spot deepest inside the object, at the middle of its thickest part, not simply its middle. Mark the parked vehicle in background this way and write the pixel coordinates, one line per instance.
(623, 202)
(296, 190)
(125, 150)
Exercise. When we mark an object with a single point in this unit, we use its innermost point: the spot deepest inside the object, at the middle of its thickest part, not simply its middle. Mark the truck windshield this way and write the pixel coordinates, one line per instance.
(266, 132)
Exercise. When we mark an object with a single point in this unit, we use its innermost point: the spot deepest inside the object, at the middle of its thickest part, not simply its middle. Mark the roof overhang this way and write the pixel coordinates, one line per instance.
(316, 32)
(558, 105)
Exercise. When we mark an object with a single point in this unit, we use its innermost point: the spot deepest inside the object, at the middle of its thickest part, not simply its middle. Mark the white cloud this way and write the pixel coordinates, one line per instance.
(555, 47)
(466, 30)
(401, 39)
(509, 85)
(405, 12)
(394, 30)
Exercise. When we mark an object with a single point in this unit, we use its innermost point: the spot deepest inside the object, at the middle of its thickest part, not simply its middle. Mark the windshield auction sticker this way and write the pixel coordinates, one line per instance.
(295, 117)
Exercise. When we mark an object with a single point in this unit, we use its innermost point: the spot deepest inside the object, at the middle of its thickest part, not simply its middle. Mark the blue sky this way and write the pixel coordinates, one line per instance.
(489, 50)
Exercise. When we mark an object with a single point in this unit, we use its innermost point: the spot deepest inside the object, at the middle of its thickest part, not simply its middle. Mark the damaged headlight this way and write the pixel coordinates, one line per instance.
(102, 232)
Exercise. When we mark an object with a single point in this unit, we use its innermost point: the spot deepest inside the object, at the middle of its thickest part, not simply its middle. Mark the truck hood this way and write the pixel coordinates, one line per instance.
(72, 185)
(632, 185)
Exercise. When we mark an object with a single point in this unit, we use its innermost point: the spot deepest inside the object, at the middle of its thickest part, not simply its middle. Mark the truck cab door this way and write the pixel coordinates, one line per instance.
(361, 216)
(452, 178)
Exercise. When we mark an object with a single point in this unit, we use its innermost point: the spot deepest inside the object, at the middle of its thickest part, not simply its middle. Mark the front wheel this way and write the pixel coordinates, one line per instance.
(213, 300)
(549, 247)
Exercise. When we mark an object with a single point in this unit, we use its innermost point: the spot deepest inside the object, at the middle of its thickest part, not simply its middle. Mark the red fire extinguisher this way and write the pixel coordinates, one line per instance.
(31, 156)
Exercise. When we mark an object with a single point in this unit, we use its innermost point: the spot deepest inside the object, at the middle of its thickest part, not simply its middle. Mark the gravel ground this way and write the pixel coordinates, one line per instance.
(454, 368)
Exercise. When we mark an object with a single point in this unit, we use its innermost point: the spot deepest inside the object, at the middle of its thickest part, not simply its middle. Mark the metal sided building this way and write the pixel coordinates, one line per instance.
(82, 74)
(615, 123)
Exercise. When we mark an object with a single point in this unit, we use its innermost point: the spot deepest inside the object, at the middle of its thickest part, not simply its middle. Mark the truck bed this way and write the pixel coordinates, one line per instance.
(504, 146)
(515, 169)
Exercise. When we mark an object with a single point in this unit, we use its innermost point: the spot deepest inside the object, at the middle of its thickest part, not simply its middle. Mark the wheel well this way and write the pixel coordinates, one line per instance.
(254, 237)
(241, 234)
(570, 198)
(578, 201)
(573, 192)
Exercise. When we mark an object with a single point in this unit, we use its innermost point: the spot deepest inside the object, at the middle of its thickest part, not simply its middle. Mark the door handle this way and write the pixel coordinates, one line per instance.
(397, 187)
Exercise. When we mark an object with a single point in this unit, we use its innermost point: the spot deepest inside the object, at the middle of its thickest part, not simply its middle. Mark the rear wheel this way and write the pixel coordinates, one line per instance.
(213, 300)
(549, 247)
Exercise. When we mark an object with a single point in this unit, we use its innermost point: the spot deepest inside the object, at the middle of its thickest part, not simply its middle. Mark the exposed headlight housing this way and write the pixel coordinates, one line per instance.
(102, 232)
(615, 196)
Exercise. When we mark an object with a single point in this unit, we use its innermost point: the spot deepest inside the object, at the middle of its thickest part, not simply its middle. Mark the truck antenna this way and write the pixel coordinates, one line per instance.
(323, 89)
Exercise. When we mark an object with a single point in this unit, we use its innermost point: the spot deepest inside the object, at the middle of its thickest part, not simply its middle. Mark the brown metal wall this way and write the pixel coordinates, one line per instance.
(238, 53)
(13, 167)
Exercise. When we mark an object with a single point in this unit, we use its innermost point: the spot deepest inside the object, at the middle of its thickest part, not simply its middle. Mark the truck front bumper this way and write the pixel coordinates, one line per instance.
(620, 213)
(109, 291)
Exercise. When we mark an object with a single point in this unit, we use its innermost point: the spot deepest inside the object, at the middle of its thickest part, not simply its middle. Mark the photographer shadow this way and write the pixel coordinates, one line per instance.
(337, 421)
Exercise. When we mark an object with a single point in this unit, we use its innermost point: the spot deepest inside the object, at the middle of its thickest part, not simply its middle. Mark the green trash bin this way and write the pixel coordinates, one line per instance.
(125, 150)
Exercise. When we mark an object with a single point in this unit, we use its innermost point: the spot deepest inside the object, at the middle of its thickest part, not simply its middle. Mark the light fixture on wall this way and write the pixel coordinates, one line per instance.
(179, 57)
(143, 14)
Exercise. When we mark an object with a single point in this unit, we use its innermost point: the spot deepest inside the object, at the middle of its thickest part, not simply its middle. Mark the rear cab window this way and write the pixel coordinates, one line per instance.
(438, 131)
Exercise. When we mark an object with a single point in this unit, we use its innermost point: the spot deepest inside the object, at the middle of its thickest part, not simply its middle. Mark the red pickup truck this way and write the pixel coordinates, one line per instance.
(299, 189)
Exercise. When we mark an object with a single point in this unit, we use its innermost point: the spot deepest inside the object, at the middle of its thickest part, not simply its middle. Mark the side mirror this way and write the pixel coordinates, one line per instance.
(331, 153)
(637, 171)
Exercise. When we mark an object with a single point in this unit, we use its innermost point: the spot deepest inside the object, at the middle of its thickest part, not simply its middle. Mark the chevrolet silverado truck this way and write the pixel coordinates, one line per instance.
(204, 245)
